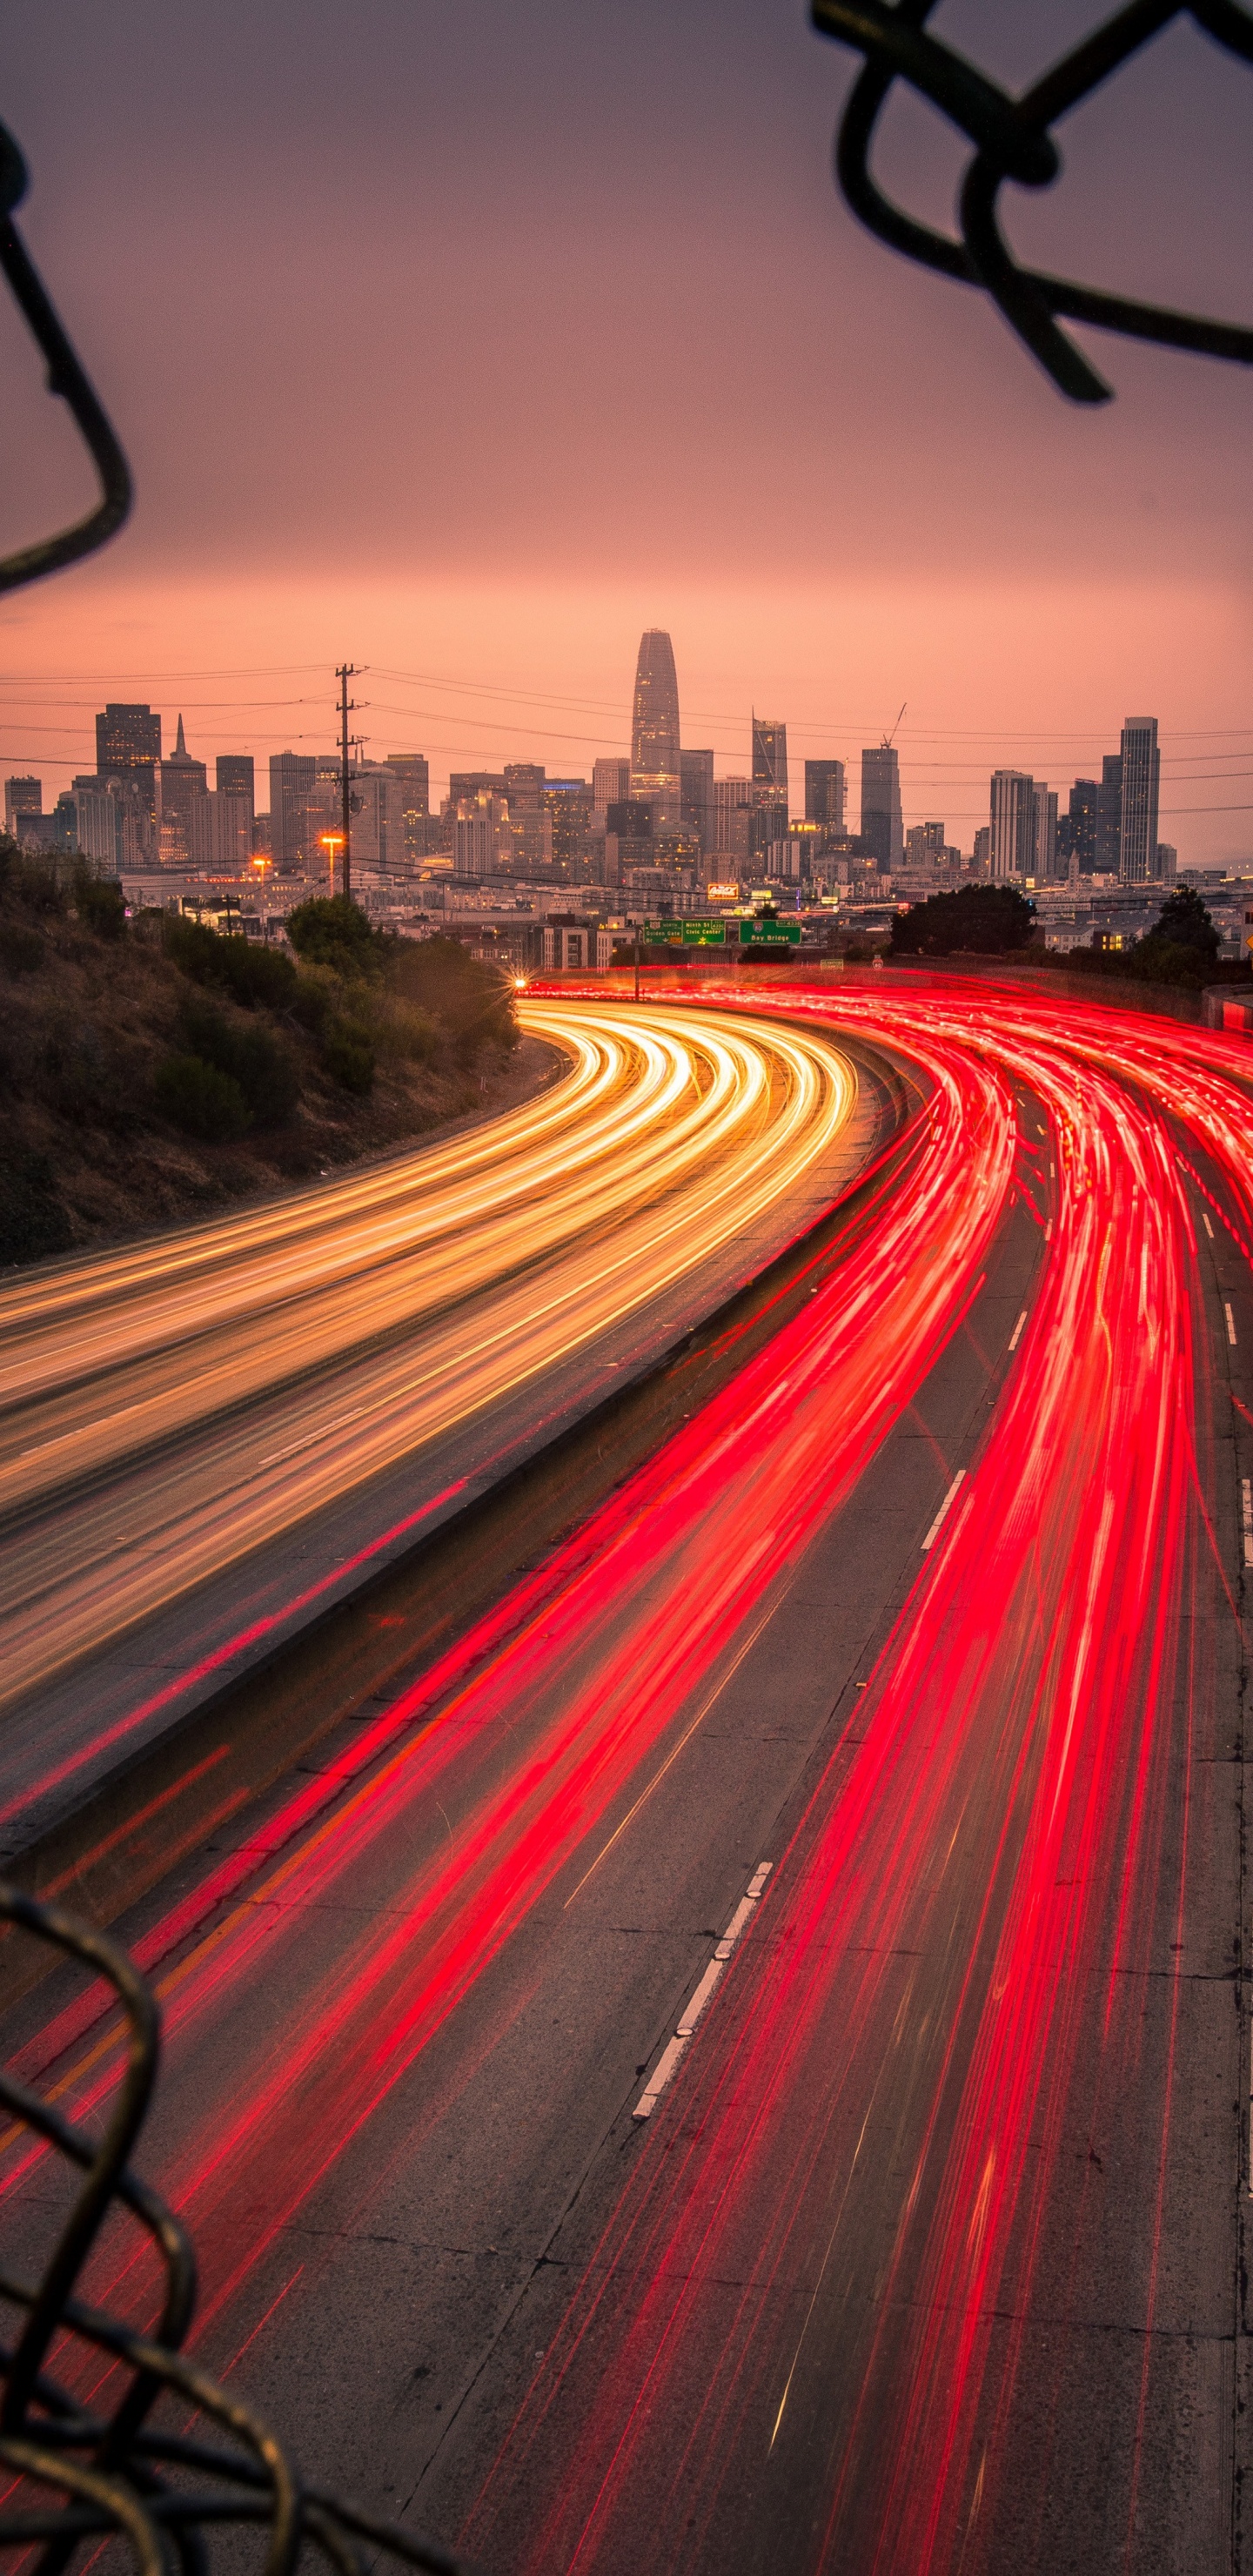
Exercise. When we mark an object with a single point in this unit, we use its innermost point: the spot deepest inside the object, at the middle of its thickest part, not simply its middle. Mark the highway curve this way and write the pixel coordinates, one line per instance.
(176, 1405)
(929, 2254)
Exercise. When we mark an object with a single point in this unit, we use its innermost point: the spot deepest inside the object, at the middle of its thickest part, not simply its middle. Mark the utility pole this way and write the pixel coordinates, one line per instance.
(344, 672)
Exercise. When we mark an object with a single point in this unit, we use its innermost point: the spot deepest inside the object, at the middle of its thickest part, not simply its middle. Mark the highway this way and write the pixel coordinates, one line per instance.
(171, 1409)
(914, 1657)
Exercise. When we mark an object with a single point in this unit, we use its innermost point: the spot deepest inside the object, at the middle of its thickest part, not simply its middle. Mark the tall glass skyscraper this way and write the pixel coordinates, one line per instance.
(655, 763)
(1141, 777)
(882, 830)
(770, 760)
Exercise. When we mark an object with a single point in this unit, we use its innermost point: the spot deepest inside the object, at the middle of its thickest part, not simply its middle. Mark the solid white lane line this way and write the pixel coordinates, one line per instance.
(1246, 1514)
(673, 2051)
(1208, 1227)
(1231, 1323)
(307, 1438)
(1014, 1336)
(943, 1512)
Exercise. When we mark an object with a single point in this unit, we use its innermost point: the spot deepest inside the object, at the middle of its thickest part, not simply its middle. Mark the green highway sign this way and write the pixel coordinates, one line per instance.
(705, 934)
(785, 932)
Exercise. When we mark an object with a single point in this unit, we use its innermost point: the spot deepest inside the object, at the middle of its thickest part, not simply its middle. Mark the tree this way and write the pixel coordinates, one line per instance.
(1184, 922)
(986, 920)
(332, 930)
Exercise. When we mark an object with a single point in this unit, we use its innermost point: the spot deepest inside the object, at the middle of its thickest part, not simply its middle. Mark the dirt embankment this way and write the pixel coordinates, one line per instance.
(152, 1072)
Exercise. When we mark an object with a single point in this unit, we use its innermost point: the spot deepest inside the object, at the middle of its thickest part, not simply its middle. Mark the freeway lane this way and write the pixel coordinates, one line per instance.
(175, 1409)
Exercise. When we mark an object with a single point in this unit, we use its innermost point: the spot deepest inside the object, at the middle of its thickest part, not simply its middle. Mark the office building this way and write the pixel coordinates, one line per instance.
(696, 776)
(1011, 847)
(296, 818)
(655, 762)
(733, 816)
(182, 781)
(482, 839)
(128, 745)
(1141, 763)
(234, 775)
(1044, 835)
(925, 845)
(824, 794)
(525, 781)
(23, 807)
(1109, 815)
(611, 784)
(1077, 836)
(785, 859)
(412, 768)
(769, 762)
(1167, 863)
(87, 821)
(567, 802)
(981, 863)
(882, 829)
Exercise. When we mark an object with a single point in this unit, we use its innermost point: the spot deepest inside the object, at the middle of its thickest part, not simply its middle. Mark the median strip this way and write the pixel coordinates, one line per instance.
(673, 2051)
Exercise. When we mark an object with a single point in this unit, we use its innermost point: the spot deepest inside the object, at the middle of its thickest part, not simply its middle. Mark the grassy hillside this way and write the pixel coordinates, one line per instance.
(151, 1071)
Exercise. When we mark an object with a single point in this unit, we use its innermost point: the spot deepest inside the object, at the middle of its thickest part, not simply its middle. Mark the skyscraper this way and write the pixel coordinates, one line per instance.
(611, 783)
(128, 745)
(882, 830)
(769, 762)
(293, 826)
(655, 763)
(23, 799)
(824, 794)
(1011, 848)
(1109, 814)
(234, 776)
(1141, 778)
(1044, 835)
(696, 771)
(183, 782)
(1078, 837)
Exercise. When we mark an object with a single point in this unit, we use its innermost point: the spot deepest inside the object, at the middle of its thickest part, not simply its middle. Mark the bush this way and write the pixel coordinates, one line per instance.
(241, 967)
(983, 920)
(349, 1059)
(402, 1030)
(33, 1224)
(100, 905)
(250, 1057)
(201, 1099)
(467, 998)
(314, 1000)
(331, 930)
(21, 950)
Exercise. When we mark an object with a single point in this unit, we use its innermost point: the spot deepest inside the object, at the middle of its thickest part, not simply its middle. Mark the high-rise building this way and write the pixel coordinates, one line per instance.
(234, 775)
(1044, 835)
(1141, 780)
(824, 793)
(183, 782)
(981, 863)
(465, 784)
(696, 774)
(23, 803)
(128, 745)
(295, 820)
(1109, 815)
(1011, 849)
(733, 817)
(568, 805)
(770, 762)
(413, 770)
(925, 845)
(1077, 836)
(525, 781)
(882, 828)
(655, 763)
(611, 783)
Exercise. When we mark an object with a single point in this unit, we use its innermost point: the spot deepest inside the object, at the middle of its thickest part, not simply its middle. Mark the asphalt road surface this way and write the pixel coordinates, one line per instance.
(928, 2253)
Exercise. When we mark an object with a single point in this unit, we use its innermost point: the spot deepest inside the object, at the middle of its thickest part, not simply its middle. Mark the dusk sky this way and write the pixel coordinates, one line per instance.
(465, 340)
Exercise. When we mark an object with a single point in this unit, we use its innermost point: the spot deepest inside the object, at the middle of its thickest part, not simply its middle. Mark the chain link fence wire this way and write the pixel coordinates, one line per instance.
(66, 377)
(83, 2474)
(1012, 140)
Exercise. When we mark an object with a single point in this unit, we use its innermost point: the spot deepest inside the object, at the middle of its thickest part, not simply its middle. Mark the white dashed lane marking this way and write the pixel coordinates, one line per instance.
(673, 2051)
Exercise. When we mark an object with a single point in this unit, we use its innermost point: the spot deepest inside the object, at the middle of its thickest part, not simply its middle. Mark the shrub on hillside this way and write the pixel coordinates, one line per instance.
(100, 905)
(22, 950)
(331, 930)
(201, 1100)
(33, 1224)
(349, 1058)
(467, 998)
(249, 1057)
(245, 968)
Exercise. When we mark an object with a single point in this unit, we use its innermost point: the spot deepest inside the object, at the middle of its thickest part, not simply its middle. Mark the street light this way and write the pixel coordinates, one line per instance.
(332, 843)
